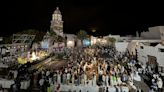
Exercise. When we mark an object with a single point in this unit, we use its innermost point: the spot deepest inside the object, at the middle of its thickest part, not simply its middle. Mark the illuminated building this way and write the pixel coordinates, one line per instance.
(57, 22)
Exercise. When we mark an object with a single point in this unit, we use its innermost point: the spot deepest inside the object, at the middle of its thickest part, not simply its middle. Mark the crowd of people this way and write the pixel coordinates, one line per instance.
(93, 66)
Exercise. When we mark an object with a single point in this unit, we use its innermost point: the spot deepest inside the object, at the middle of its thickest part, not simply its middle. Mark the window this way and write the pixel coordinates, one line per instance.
(141, 47)
(161, 50)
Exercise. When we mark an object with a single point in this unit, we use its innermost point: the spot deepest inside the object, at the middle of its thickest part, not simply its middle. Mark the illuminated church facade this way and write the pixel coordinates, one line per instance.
(57, 27)
(57, 22)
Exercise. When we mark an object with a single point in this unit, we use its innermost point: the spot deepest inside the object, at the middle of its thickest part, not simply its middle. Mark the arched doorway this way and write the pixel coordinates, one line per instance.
(152, 62)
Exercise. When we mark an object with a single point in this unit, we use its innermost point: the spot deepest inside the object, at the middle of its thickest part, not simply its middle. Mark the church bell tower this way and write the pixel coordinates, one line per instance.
(57, 22)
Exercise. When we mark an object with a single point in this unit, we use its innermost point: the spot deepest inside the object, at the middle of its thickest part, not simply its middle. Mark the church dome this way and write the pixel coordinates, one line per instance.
(57, 11)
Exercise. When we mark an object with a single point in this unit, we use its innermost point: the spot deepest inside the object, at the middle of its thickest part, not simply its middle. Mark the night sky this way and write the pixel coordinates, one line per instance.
(106, 17)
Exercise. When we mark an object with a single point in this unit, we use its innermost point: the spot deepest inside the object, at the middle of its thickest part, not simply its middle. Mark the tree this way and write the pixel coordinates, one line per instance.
(82, 34)
(111, 40)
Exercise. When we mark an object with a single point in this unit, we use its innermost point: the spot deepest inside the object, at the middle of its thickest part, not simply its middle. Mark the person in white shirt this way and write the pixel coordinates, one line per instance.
(59, 78)
(106, 66)
(85, 79)
(111, 80)
(122, 69)
(66, 70)
(55, 78)
(15, 74)
(159, 84)
(103, 78)
(99, 69)
(47, 73)
(119, 80)
(50, 80)
(73, 78)
(94, 79)
(136, 76)
(41, 82)
(107, 80)
(68, 77)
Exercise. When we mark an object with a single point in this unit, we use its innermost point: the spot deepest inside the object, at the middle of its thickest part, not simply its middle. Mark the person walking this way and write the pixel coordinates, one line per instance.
(1, 89)
(159, 84)
(41, 84)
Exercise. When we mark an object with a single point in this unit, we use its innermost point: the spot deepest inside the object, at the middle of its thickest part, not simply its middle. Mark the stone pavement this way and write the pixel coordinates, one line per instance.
(142, 85)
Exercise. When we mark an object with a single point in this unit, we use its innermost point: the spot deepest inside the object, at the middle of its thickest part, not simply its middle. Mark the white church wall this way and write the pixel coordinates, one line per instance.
(79, 43)
(70, 43)
(93, 40)
(121, 46)
(162, 32)
(143, 51)
(132, 48)
(153, 33)
(70, 40)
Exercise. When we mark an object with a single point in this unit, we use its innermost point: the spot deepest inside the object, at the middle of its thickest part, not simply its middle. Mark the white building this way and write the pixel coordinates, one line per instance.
(162, 32)
(153, 33)
(134, 43)
(121, 46)
(57, 22)
(71, 40)
(145, 53)
(93, 40)
(117, 37)
(123, 38)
